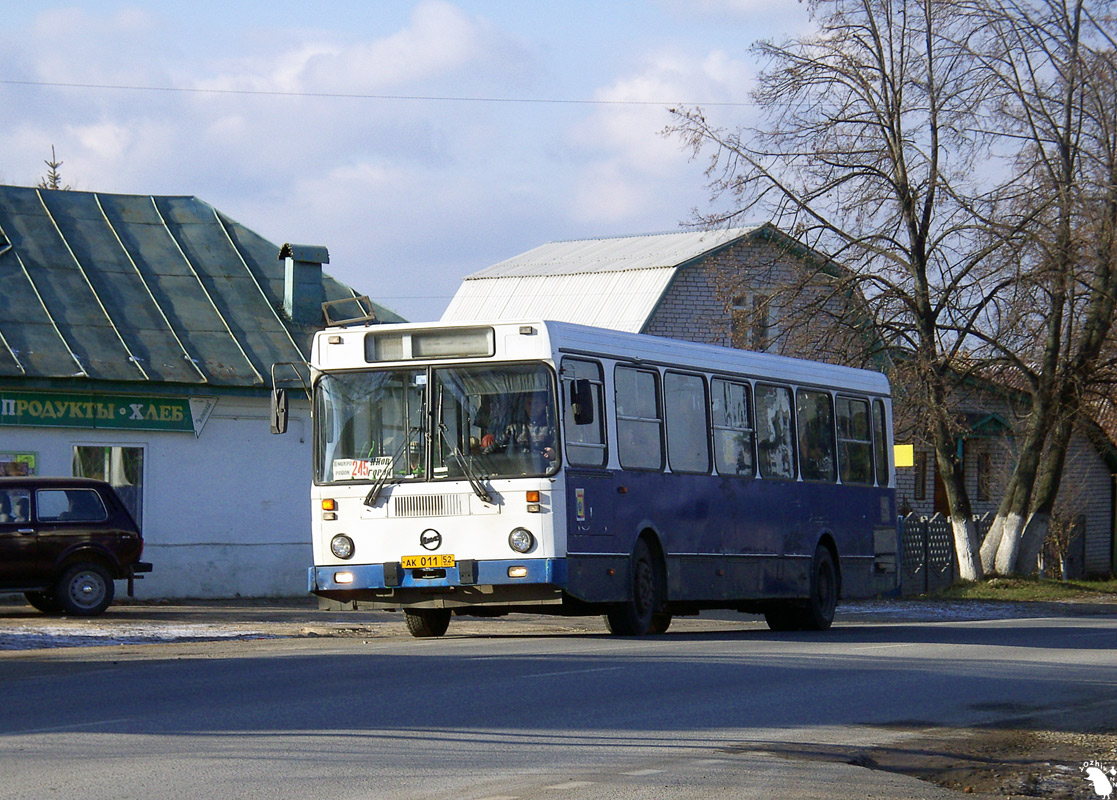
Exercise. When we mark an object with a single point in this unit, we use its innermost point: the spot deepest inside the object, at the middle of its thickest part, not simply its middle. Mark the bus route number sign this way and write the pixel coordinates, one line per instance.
(429, 561)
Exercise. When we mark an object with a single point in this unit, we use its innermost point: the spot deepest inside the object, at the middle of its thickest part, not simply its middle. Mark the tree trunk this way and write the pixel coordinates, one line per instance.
(966, 545)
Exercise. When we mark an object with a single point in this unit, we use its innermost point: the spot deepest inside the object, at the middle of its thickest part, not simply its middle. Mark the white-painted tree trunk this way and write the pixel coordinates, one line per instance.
(965, 545)
(1008, 550)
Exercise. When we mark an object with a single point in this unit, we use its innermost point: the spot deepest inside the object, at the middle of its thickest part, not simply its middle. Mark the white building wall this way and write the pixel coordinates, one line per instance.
(225, 514)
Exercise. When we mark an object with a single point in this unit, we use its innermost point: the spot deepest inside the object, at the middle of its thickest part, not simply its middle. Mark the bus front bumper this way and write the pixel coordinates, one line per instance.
(467, 573)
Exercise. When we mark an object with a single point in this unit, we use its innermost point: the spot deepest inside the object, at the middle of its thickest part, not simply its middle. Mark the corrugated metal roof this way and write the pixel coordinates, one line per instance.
(610, 283)
(581, 256)
(140, 288)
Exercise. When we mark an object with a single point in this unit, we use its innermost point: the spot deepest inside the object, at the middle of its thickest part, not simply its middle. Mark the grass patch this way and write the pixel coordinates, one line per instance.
(1033, 589)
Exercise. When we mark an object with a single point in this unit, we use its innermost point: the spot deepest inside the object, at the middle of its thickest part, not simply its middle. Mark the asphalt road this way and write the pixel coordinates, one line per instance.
(531, 708)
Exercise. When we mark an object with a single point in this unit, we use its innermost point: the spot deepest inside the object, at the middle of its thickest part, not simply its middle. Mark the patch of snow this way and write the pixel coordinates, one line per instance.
(43, 636)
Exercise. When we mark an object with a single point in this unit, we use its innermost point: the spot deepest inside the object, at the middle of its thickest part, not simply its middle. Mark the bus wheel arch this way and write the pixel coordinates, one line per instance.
(644, 611)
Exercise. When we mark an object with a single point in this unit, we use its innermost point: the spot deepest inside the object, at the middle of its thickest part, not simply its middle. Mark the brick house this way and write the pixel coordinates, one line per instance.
(731, 287)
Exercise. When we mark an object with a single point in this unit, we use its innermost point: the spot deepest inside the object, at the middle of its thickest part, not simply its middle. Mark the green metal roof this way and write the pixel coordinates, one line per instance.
(136, 288)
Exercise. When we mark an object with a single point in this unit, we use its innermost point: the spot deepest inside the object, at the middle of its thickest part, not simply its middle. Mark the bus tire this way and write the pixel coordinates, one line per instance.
(819, 611)
(637, 615)
(424, 622)
(660, 623)
(784, 617)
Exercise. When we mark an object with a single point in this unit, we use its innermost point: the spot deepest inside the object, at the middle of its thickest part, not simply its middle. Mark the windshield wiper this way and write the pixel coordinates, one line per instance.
(474, 481)
(382, 478)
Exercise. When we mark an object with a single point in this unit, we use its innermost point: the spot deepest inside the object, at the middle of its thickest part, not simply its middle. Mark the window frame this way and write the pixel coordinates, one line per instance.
(715, 428)
(867, 442)
(791, 439)
(705, 427)
(623, 418)
(600, 409)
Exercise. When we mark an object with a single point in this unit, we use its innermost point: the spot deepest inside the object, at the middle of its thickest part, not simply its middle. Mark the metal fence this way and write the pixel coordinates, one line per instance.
(927, 546)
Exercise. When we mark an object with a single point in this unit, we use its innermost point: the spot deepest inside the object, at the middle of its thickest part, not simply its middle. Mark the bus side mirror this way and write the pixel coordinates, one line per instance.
(278, 410)
(581, 402)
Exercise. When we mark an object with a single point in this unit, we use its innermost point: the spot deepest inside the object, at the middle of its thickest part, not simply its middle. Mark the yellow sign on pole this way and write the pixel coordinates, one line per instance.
(904, 455)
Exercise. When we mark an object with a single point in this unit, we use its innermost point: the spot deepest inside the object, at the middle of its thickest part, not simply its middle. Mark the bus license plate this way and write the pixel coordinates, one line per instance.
(431, 561)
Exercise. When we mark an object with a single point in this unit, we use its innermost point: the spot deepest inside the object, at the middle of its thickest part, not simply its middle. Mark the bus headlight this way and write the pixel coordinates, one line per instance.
(342, 546)
(521, 540)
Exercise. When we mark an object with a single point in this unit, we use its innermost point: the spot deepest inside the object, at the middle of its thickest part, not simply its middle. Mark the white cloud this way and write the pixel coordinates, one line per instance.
(627, 160)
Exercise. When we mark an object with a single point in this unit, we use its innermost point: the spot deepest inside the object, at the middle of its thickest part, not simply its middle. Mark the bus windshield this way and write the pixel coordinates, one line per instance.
(487, 421)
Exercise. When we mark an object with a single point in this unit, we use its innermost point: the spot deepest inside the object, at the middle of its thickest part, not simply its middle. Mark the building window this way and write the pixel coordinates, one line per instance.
(754, 327)
(984, 476)
(920, 475)
(120, 466)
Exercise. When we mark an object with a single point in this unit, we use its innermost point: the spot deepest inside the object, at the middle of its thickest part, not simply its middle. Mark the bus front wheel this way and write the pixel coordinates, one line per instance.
(641, 613)
(423, 622)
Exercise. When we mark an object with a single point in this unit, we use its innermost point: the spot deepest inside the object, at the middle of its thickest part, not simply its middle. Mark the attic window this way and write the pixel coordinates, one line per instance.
(754, 327)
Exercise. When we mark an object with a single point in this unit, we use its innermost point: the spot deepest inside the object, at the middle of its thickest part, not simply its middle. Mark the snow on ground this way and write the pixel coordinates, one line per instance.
(47, 635)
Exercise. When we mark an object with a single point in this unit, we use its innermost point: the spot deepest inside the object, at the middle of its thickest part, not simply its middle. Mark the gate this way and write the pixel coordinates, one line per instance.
(928, 554)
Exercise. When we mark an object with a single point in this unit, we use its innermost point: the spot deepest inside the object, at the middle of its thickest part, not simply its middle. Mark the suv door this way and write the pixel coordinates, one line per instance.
(67, 517)
(21, 561)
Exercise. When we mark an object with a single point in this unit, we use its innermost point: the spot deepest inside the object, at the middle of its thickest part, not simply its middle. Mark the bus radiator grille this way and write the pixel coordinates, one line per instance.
(430, 505)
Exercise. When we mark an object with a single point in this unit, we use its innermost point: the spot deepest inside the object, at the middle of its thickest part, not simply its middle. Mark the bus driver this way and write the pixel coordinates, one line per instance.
(533, 433)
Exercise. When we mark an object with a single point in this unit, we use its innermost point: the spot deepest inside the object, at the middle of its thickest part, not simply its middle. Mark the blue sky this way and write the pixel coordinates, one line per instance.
(409, 195)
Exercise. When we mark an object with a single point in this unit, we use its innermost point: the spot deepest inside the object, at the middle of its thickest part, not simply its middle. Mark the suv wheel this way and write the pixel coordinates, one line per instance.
(84, 590)
(43, 602)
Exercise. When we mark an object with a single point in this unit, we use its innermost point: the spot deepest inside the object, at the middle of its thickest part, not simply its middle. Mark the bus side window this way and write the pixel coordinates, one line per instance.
(583, 420)
(815, 413)
(639, 421)
(688, 429)
(855, 446)
(774, 437)
(880, 439)
(734, 438)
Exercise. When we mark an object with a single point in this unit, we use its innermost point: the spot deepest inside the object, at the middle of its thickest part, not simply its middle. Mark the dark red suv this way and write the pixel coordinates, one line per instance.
(63, 541)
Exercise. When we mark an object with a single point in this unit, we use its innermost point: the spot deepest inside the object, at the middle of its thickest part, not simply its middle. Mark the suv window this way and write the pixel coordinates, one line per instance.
(14, 505)
(69, 505)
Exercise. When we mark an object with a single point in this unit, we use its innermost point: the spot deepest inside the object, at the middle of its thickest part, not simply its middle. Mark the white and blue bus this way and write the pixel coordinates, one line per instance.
(480, 469)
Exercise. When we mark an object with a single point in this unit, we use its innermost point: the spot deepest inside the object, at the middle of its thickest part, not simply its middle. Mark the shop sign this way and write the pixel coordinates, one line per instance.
(117, 412)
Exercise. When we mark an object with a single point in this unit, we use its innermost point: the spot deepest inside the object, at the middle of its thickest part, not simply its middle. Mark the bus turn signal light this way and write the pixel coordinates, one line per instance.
(533, 497)
(329, 505)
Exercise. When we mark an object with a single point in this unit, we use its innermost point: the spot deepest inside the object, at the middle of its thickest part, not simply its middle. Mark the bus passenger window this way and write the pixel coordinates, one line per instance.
(688, 437)
(733, 434)
(816, 436)
(880, 439)
(584, 427)
(855, 447)
(639, 422)
(774, 437)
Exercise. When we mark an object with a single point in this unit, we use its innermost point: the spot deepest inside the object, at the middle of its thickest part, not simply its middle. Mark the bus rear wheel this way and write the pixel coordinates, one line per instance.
(818, 614)
(424, 622)
(641, 613)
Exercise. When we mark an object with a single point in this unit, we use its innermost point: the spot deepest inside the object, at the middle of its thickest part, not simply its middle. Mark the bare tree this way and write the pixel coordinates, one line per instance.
(867, 150)
(1054, 70)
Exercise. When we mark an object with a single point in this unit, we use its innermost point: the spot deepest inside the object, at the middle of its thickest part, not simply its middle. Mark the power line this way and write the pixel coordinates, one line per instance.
(358, 96)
